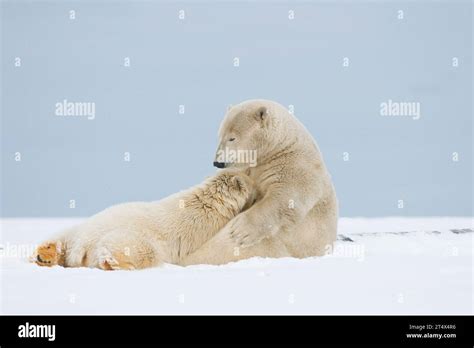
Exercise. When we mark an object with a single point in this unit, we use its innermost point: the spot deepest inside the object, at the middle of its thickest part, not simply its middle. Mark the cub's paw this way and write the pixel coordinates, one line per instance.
(48, 254)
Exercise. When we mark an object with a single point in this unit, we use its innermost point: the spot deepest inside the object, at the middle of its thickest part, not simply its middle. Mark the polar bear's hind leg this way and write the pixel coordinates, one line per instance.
(124, 250)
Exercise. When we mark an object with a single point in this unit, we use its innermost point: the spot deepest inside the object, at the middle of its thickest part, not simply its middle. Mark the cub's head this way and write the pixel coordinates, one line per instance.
(246, 134)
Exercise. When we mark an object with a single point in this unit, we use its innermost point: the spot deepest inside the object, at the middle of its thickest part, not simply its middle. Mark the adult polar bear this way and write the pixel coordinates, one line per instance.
(296, 210)
(293, 208)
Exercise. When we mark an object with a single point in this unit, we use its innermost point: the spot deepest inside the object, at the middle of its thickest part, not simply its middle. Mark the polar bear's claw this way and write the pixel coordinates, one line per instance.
(111, 262)
(106, 260)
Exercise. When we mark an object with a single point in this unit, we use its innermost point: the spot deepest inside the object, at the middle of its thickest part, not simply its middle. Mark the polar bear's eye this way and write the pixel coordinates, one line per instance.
(231, 139)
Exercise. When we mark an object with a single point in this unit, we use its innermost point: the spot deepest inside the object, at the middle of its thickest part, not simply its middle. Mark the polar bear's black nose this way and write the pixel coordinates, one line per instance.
(219, 164)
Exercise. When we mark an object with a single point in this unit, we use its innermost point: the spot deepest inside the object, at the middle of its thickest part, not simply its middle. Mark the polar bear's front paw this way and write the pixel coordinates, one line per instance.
(245, 234)
(48, 254)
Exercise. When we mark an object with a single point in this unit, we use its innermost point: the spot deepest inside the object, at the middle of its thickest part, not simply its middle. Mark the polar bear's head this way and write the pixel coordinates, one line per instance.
(247, 133)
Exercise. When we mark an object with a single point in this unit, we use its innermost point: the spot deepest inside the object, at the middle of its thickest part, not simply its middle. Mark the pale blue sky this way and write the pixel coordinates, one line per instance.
(190, 62)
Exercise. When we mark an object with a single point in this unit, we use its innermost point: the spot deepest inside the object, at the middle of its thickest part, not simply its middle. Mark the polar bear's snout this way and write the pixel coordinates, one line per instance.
(219, 160)
(219, 164)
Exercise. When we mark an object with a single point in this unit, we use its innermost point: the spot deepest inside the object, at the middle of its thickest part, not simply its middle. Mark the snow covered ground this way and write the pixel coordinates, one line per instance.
(376, 268)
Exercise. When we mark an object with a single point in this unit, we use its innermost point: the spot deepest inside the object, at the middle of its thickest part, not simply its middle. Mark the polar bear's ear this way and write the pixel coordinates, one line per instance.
(262, 115)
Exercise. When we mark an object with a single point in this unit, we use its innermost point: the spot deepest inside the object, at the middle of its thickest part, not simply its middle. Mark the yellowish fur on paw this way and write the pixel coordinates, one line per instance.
(48, 254)
(110, 262)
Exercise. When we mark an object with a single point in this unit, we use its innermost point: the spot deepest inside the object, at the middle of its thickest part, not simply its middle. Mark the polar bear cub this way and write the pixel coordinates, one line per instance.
(145, 234)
